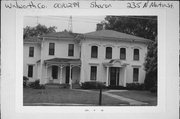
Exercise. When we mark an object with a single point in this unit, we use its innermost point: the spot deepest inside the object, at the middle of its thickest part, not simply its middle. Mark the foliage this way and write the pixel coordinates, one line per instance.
(135, 86)
(144, 26)
(37, 30)
(25, 80)
(151, 66)
(92, 85)
(36, 85)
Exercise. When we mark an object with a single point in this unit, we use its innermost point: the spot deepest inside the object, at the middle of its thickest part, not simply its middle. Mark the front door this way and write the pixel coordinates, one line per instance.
(55, 72)
(114, 76)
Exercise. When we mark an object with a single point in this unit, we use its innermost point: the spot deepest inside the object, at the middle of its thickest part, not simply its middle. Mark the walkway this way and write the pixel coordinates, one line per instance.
(107, 93)
(131, 101)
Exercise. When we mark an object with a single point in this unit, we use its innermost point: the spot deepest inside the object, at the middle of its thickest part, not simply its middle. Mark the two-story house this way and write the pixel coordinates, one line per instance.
(105, 55)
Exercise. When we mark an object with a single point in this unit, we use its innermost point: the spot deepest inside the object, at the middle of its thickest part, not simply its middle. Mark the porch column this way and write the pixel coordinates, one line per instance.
(61, 74)
(46, 67)
(124, 76)
(70, 81)
(107, 76)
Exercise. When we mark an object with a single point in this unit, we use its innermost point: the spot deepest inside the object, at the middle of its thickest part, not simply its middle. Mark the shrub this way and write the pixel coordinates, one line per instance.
(92, 85)
(153, 89)
(25, 80)
(150, 80)
(135, 86)
(36, 85)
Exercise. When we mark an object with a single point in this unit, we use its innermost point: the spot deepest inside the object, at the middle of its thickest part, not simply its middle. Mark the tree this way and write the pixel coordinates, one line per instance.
(37, 30)
(142, 26)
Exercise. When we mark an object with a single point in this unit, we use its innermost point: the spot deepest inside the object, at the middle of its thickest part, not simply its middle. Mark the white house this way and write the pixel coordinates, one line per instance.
(105, 55)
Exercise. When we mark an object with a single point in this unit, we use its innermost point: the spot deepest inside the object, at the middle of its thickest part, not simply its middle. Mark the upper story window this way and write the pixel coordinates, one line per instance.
(122, 53)
(71, 50)
(51, 48)
(108, 52)
(93, 72)
(136, 54)
(135, 74)
(31, 51)
(94, 52)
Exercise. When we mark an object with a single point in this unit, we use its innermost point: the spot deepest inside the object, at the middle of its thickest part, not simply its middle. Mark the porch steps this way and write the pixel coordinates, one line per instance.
(76, 86)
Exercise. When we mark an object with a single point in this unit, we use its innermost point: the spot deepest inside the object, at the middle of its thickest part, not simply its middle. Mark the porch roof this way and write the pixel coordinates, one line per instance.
(63, 60)
(115, 63)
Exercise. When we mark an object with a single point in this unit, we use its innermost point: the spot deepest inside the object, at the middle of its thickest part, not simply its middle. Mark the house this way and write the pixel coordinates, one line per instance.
(68, 58)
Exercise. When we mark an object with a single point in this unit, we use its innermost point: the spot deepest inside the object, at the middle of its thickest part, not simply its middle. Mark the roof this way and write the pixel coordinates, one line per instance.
(114, 34)
(32, 39)
(63, 34)
(63, 60)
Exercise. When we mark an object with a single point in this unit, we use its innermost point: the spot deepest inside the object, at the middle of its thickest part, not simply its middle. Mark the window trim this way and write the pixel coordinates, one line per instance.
(92, 52)
(52, 49)
(106, 52)
(138, 74)
(69, 50)
(31, 51)
(91, 79)
(124, 54)
(138, 54)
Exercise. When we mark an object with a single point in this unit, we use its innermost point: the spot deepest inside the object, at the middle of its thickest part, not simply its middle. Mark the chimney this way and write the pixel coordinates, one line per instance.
(99, 27)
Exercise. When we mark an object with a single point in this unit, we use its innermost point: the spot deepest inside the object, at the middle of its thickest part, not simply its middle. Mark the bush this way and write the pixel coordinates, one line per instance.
(150, 80)
(36, 85)
(93, 85)
(134, 86)
(25, 80)
(153, 89)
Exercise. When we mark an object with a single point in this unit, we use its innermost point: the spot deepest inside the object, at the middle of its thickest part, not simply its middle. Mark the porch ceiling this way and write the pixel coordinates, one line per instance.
(63, 60)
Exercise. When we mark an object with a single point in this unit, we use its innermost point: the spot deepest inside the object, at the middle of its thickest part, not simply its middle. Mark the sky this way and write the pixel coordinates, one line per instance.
(80, 24)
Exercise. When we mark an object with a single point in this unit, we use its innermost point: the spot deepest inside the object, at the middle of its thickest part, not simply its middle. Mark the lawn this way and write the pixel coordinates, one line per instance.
(144, 96)
(66, 96)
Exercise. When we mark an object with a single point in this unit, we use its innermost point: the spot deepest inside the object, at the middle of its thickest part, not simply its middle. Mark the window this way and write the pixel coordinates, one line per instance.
(30, 70)
(135, 74)
(51, 48)
(136, 54)
(55, 72)
(71, 50)
(93, 72)
(123, 53)
(94, 52)
(31, 51)
(108, 52)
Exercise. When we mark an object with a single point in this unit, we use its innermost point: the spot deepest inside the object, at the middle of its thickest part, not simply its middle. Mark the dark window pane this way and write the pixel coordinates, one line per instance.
(136, 54)
(30, 71)
(31, 51)
(123, 53)
(108, 53)
(135, 74)
(55, 72)
(71, 50)
(51, 48)
(93, 72)
(94, 52)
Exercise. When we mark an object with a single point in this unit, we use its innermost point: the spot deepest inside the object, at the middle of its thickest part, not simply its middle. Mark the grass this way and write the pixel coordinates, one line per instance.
(144, 96)
(67, 96)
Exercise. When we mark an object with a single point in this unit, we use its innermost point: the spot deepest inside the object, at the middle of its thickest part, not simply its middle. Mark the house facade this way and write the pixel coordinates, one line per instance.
(106, 56)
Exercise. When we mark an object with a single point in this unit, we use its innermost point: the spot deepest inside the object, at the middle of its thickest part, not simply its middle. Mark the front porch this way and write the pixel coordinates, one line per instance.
(115, 73)
(60, 71)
